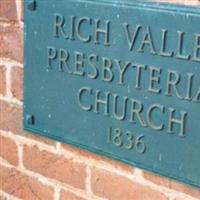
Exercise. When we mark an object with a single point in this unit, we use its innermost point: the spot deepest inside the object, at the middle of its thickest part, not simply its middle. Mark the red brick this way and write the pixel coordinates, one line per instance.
(2, 197)
(11, 120)
(8, 9)
(183, 198)
(116, 187)
(98, 158)
(22, 10)
(156, 179)
(185, 189)
(17, 184)
(66, 195)
(11, 45)
(2, 80)
(8, 150)
(17, 82)
(54, 166)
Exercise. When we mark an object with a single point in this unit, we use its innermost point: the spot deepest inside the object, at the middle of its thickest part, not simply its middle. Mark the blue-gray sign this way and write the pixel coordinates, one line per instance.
(118, 78)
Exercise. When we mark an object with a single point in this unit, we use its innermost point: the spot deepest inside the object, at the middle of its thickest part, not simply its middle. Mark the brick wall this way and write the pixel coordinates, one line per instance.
(33, 167)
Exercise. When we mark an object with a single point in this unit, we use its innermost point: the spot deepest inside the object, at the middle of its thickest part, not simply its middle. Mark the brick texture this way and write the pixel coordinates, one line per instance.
(186, 189)
(10, 117)
(11, 42)
(11, 120)
(17, 184)
(86, 174)
(2, 80)
(2, 197)
(98, 158)
(113, 187)
(8, 10)
(156, 179)
(66, 195)
(55, 167)
(8, 150)
(17, 82)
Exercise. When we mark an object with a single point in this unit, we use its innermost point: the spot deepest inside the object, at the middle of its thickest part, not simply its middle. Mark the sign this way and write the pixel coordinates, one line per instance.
(117, 78)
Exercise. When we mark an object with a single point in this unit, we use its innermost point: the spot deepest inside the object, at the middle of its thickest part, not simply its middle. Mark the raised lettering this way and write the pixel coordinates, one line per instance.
(180, 47)
(122, 69)
(136, 111)
(196, 55)
(154, 79)
(107, 74)
(105, 31)
(52, 55)
(173, 83)
(163, 44)
(147, 40)
(79, 64)
(150, 122)
(59, 26)
(116, 106)
(79, 96)
(79, 23)
(131, 37)
(104, 102)
(181, 122)
(63, 59)
(92, 59)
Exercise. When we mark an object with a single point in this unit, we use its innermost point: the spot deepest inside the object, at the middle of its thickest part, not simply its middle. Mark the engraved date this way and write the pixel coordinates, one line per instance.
(126, 139)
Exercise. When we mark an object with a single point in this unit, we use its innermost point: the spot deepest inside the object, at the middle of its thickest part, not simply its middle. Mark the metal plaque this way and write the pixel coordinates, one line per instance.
(118, 78)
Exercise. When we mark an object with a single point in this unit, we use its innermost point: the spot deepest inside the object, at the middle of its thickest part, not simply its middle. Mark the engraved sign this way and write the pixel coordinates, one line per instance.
(118, 78)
